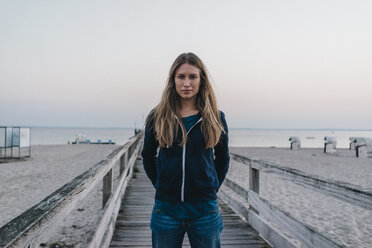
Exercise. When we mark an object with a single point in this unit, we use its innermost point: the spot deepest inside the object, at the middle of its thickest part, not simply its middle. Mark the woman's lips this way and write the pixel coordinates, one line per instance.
(186, 91)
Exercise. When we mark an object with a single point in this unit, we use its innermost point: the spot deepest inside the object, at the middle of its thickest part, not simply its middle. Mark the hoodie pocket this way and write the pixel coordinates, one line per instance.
(170, 174)
(196, 174)
(211, 172)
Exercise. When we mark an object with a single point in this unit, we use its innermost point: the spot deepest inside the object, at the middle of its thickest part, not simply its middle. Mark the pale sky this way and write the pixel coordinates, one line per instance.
(274, 64)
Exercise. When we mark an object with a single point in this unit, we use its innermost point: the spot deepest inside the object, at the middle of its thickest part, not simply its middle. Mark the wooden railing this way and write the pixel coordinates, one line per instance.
(35, 224)
(296, 234)
(350, 193)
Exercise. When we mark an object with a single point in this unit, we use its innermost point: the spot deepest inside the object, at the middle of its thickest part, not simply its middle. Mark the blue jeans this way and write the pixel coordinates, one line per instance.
(203, 232)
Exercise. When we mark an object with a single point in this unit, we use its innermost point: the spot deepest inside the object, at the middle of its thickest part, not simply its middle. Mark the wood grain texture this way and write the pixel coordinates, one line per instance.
(296, 229)
(106, 223)
(347, 192)
(294, 233)
(132, 227)
(240, 204)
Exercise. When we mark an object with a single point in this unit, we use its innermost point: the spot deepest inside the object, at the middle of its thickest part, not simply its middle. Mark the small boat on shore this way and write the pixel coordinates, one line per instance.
(109, 142)
(81, 139)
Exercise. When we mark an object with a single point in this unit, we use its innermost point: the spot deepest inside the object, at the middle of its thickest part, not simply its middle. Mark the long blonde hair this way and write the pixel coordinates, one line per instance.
(164, 114)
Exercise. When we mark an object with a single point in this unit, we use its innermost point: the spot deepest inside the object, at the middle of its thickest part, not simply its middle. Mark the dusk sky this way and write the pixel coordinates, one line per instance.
(274, 64)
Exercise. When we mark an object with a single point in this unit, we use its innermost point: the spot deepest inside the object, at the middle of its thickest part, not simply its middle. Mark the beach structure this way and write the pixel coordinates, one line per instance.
(330, 144)
(295, 142)
(363, 147)
(15, 142)
(352, 142)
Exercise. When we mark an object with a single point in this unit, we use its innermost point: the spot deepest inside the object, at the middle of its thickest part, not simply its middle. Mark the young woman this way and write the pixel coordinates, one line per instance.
(186, 157)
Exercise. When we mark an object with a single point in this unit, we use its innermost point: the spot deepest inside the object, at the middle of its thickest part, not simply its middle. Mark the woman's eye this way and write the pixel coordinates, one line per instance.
(180, 76)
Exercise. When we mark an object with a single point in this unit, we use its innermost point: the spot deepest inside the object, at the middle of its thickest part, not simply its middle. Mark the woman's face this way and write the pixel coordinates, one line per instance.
(187, 79)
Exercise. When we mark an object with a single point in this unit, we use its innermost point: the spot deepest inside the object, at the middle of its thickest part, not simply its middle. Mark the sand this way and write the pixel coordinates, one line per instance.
(25, 183)
(344, 223)
(340, 166)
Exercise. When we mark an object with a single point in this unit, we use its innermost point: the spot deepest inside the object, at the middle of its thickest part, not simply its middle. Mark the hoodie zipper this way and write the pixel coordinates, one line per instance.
(184, 158)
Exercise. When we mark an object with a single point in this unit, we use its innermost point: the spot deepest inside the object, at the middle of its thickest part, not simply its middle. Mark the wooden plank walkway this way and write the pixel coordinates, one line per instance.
(133, 222)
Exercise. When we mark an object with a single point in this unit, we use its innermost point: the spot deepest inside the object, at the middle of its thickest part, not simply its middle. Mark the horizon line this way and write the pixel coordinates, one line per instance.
(231, 128)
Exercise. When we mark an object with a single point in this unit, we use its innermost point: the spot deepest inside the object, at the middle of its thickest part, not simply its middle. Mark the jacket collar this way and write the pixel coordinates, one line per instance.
(179, 122)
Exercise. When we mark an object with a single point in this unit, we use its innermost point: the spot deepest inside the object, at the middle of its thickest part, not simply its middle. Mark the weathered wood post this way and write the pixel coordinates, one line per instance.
(107, 187)
(254, 182)
(129, 152)
(139, 150)
(123, 162)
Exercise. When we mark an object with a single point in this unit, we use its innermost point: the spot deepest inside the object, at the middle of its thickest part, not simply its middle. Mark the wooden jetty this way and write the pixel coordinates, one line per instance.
(132, 227)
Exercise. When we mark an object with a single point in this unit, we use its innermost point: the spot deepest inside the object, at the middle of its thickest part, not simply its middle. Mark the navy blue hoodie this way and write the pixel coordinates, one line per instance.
(186, 173)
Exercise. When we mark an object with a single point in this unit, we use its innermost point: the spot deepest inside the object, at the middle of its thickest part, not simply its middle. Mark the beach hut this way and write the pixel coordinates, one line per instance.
(13, 139)
(295, 142)
(330, 144)
(352, 142)
(363, 147)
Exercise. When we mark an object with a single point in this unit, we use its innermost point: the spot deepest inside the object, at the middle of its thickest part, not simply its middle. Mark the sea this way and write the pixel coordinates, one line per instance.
(238, 137)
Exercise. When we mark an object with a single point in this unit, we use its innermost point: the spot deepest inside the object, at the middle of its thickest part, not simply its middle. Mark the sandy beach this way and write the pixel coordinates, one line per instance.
(344, 223)
(25, 183)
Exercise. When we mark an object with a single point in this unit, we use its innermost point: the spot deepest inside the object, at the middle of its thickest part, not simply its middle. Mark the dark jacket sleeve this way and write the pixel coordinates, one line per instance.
(148, 153)
(221, 152)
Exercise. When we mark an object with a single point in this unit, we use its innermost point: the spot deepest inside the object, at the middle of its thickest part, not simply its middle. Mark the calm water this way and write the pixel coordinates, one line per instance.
(49, 136)
(280, 138)
(238, 137)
